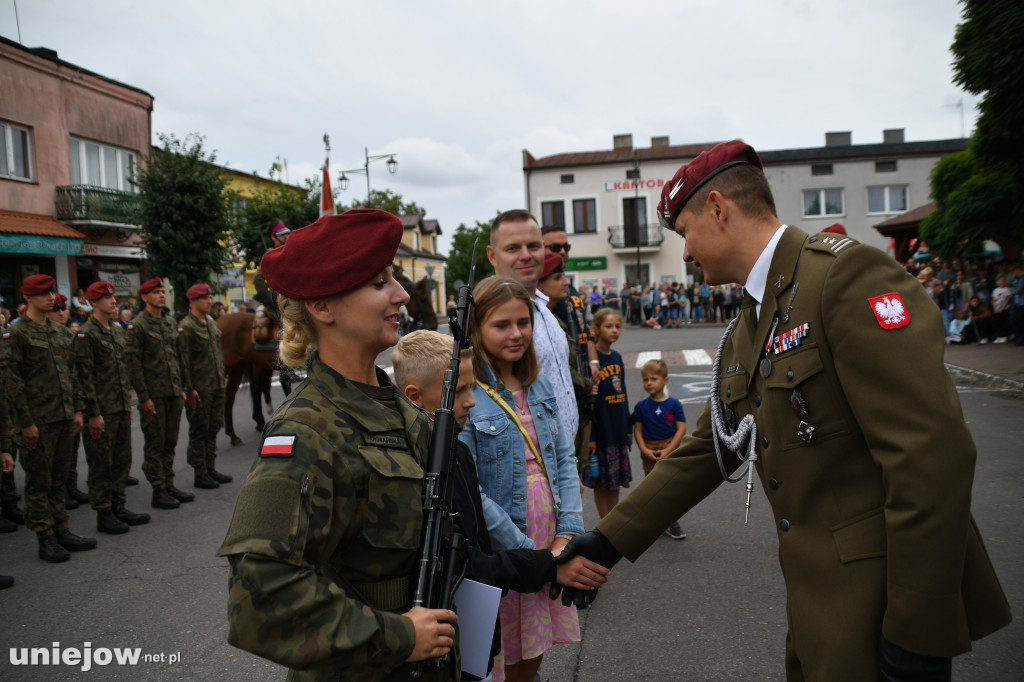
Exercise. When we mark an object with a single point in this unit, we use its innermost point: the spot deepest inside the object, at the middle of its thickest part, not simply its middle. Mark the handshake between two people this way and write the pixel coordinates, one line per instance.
(589, 558)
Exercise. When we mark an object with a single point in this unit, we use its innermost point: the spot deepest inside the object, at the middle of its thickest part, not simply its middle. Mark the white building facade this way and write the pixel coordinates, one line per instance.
(610, 215)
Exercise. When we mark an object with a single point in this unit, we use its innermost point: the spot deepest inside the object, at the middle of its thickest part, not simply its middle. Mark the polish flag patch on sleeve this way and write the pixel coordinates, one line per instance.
(277, 446)
(890, 311)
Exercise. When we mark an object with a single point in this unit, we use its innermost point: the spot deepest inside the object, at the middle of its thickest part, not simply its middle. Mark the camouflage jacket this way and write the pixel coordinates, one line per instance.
(6, 430)
(154, 357)
(102, 365)
(202, 361)
(326, 531)
(42, 384)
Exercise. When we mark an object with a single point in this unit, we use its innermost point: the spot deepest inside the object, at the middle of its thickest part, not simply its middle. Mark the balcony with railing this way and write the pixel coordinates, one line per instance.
(98, 210)
(647, 236)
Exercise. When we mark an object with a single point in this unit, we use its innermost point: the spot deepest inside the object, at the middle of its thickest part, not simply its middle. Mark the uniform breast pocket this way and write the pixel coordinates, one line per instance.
(492, 437)
(797, 385)
(394, 499)
(37, 353)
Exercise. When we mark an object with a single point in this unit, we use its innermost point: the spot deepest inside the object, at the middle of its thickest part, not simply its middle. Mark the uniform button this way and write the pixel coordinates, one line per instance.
(814, 239)
(773, 484)
(757, 401)
(784, 525)
(789, 375)
(728, 393)
(764, 441)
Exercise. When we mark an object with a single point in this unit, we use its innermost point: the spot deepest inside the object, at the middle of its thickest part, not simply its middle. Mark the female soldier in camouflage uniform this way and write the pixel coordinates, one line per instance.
(327, 525)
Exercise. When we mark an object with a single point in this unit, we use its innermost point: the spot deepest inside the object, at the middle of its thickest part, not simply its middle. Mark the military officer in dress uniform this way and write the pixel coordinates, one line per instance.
(103, 372)
(831, 384)
(203, 365)
(327, 526)
(155, 362)
(46, 406)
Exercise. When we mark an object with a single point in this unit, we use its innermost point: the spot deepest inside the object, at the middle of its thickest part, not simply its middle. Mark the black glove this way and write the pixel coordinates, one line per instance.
(593, 546)
(896, 664)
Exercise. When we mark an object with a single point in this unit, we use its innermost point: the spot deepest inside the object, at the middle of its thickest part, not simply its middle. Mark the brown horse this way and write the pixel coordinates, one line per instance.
(240, 357)
(420, 306)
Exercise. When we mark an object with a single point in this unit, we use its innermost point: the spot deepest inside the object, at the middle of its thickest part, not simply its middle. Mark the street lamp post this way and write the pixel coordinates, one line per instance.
(365, 170)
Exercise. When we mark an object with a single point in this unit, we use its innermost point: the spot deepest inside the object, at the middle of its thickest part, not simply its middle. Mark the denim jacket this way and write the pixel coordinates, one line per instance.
(499, 449)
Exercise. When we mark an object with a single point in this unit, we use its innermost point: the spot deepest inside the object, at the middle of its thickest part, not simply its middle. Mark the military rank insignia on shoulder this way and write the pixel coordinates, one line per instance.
(831, 243)
(277, 446)
(889, 310)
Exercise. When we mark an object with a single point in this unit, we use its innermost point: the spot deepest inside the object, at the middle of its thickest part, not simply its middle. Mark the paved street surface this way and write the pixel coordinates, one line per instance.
(711, 607)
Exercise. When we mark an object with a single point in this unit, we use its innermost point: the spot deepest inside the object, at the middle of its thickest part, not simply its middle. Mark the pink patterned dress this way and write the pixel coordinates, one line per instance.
(532, 623)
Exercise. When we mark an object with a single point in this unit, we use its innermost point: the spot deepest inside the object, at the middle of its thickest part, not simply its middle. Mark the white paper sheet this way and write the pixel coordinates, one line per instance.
(477, 606)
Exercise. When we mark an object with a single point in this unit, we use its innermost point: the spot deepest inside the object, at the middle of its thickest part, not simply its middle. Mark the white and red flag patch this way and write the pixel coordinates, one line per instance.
(277, 446)
(890, 311)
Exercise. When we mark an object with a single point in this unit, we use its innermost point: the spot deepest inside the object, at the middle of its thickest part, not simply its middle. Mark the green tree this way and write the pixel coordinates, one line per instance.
(461, 254)
(977, 191)
(261, 209)
(387, 200)
(183, 211)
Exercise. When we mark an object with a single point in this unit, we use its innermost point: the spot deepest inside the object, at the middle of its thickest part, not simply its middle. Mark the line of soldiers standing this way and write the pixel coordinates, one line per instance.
(54, 383)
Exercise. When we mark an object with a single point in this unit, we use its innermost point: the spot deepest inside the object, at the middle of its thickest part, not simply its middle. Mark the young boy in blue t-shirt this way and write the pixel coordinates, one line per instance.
(659, 423)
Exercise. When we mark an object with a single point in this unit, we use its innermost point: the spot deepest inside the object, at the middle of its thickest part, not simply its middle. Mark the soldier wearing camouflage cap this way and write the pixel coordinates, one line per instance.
(203, 365)
(327, 526)
(45, 402)
(102, 361)
(155, 362)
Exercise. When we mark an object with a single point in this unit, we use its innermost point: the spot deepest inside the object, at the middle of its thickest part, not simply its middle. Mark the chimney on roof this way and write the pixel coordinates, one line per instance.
(659, 141)
(838, 139)
(622, 141)
(893, 136)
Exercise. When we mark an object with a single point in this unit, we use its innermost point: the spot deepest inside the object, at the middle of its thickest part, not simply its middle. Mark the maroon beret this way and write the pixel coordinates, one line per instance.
(38, 284)
(60, 302)
(691, 176)
(279, 229)
(837, 228)
(98, 290)
(333, 255)
(150, 284)
(197, 291)
(552, 263)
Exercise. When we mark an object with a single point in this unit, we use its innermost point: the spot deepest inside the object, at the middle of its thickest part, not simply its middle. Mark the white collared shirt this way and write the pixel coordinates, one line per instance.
(757, 279)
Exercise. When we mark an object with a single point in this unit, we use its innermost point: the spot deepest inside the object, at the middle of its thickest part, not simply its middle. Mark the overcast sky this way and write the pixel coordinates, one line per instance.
(457, 89)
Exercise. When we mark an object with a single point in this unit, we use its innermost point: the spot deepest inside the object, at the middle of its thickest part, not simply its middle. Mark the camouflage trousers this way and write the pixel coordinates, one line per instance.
(204, 423)
(8, 490)
(161, 434)
(110, 460)
(46, 471)
(72, 482)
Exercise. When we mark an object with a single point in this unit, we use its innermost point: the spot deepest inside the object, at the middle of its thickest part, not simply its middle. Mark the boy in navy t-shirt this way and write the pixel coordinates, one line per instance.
(658, 423)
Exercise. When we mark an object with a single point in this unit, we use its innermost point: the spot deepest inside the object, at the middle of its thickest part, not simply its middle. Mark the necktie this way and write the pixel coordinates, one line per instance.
(748, 311)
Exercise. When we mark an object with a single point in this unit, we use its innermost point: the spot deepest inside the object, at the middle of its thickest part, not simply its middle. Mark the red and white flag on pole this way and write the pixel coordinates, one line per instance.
(326, 197)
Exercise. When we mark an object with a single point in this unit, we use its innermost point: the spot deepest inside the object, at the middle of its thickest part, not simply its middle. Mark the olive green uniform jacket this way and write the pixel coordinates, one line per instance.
(873, 513)
(102, 365)
(202, 360)
(154, 356)
(325, 535)
(42, 384)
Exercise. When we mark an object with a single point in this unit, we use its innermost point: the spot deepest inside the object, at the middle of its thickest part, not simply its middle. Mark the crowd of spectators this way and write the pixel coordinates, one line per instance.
(668, 304)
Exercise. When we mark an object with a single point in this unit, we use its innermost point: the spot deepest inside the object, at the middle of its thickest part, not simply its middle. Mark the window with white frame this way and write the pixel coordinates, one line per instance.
(101, 165)
(823, 202)
(584, 215)
(887, 199)
(552, 213)
(15, 153)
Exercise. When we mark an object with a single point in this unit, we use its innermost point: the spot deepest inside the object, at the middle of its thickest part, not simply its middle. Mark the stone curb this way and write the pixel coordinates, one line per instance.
(995, 380)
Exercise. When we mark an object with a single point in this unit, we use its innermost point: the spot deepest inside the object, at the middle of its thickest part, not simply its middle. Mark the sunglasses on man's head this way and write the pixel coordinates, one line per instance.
(557, 248)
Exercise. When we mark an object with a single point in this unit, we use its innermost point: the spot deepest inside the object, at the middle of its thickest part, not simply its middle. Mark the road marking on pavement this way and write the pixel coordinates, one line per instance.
(646, 356)
(698, 356)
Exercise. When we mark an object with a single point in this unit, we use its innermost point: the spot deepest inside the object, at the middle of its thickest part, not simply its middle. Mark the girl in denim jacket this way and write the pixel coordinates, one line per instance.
(525, 462)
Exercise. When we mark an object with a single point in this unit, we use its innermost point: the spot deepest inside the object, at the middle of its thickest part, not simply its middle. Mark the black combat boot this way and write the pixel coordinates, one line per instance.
(205, 481)
(7, 526)
(180, 495)
(6, 581)
(163, 500)
(131, 480)
(78, 495)
(12, 512)
(130, 517)
(72, 542)
(50, 550)
(106, 522)
(70, 502)
(218, 476)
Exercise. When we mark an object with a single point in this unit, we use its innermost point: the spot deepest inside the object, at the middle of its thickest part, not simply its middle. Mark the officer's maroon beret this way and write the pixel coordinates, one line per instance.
(197, 291)
(691, 176)
(150, 284)
(60, 302)
(38, 284)
(333, 255)
(836, 227)
(552, 263)
(98, 290)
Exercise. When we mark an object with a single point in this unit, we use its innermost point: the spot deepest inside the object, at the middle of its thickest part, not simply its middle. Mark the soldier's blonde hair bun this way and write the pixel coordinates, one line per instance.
(298, 335)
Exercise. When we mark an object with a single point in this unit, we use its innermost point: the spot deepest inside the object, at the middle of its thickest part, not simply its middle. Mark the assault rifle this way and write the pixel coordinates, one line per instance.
(437, 576)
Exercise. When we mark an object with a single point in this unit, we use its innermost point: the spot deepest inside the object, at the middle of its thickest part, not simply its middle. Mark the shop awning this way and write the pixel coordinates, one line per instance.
(34, 233)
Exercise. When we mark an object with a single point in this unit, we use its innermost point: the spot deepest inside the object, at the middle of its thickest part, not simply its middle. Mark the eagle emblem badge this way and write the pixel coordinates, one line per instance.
(890, 311)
